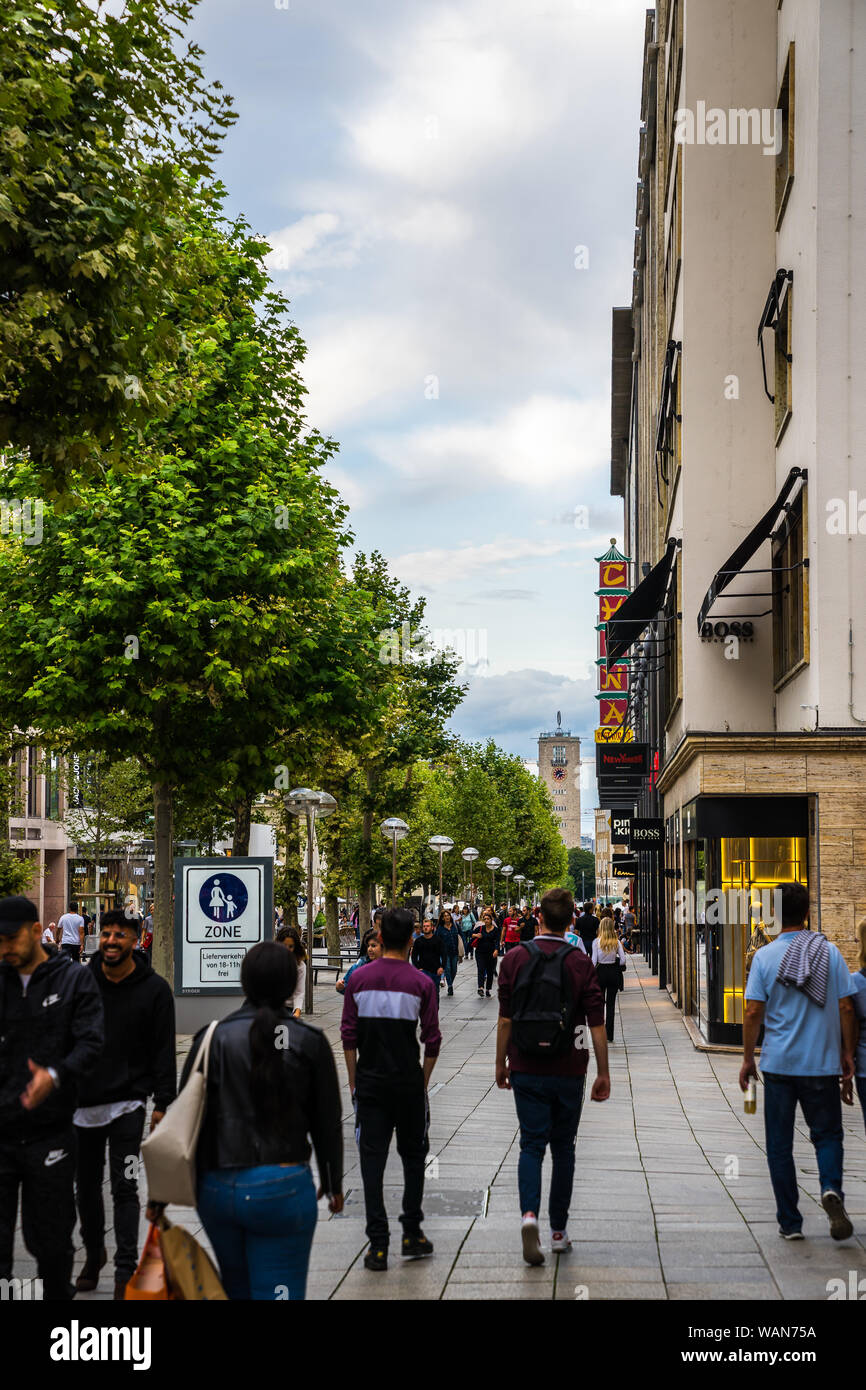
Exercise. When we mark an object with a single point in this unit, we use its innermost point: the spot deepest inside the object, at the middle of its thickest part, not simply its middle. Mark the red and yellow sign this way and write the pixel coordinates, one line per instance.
(613, 574)
(612, 711)
(615, 679)
(608, 604)
(611, 733)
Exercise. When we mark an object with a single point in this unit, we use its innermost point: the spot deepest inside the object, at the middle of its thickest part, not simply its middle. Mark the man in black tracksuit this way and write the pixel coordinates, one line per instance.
(50, 1035)
(137, 1061)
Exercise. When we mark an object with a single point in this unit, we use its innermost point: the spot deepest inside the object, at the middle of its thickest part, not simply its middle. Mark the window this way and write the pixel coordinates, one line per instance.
(777, 315)
(674, 251)
(790, 593)
(32, 783)
(785, 137)
(670, 644)
(667, 444)
(559, 758)
(52, 788)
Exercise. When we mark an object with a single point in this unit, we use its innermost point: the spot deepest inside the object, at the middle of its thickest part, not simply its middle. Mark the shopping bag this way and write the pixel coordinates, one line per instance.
(461, 949)
(189, 1268)
(150, 1280)
(169, 1151)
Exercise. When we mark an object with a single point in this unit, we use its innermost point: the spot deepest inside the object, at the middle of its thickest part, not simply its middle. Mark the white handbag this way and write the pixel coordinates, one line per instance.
(169, 1151)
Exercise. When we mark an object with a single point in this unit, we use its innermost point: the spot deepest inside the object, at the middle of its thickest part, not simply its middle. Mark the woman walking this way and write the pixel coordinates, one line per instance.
(467, 927)
(451, 940)
(608, 957)
(371, 949)
(272, 1090)
(290, 937)
(858, 978)
(486, 943)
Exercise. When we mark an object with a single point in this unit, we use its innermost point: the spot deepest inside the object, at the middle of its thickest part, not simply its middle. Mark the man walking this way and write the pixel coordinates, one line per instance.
(587, 926)
(382, 1007)
(137, 1061)
(70, 930)
(800, 989)
(548, 996)
(50, 1035)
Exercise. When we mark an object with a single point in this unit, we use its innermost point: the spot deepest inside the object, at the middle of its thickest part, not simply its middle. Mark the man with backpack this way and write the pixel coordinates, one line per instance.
(549, 996)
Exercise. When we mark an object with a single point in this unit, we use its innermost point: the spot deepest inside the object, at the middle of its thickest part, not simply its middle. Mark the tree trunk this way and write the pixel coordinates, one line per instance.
(163, 882)
(332, 923)
(243, 815)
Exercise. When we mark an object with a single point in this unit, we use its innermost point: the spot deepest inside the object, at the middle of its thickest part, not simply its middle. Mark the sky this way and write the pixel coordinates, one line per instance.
(449, 191)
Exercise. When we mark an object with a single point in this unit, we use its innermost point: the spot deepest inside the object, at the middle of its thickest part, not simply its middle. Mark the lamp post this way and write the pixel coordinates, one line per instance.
(507, 871)
(520, 879)
(394, 829)
(530, 884)
(470, 855)
(302, 801)
(441, 844)
(493, 865)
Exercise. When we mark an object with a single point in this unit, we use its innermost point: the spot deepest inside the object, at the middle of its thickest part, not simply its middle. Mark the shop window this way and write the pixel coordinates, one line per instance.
(785, 137)
(790, 593)
(750, 869)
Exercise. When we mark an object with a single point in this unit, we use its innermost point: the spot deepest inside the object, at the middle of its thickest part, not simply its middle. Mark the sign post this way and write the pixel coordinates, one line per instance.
(222, 907)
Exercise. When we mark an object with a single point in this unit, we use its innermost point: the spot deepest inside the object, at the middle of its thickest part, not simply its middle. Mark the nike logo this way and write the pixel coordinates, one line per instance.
(54, 1157)
(50, 999)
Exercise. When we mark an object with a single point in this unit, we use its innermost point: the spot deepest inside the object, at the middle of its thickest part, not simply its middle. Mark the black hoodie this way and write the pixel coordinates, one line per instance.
(57, 1023)
(138, 1058)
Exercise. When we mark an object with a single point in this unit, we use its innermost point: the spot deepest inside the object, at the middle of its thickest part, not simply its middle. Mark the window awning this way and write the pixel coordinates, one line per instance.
(744, 552)
(640, 608)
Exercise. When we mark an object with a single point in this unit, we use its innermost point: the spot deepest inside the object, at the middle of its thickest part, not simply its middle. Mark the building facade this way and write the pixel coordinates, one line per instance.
(738, 404)
(559, 770)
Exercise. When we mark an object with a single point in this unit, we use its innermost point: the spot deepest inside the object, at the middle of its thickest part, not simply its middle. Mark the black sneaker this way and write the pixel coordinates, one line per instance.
(840, 1226)
(416, 1247)
(88, 1279)
(488, 994)
(376, 1259)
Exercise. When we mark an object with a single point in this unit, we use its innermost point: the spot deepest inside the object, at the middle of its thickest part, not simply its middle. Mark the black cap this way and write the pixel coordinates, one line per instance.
(14, 913)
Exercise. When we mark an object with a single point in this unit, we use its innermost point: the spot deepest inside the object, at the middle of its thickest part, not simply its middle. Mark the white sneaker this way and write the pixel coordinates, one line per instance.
(559, 1241)
(531, 1242)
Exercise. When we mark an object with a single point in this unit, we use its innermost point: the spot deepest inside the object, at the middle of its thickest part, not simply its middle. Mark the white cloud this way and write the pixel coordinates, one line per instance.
(358, 363)
(543, 441)
(293, 244)
(490, 559)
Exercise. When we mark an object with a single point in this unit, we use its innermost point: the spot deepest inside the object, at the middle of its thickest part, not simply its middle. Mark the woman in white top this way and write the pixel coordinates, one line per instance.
(608, 957)
(290, 937)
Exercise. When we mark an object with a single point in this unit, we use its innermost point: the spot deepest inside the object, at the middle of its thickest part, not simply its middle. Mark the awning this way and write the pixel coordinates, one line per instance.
(744, 552)
(640, 608)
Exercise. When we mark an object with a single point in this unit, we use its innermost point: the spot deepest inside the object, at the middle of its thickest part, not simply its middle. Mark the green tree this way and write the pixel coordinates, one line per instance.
(192, 614)
(16, 874)
(107, 126)
(582, 860)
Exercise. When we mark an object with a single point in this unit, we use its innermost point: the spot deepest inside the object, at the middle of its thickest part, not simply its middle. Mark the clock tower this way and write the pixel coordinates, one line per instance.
(559, 770)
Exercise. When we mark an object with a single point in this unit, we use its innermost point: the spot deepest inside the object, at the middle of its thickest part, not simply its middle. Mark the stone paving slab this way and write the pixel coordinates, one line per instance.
(672, 1196)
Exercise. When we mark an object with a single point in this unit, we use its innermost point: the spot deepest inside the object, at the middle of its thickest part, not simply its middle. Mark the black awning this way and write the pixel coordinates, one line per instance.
(640, 608)
(744, 552)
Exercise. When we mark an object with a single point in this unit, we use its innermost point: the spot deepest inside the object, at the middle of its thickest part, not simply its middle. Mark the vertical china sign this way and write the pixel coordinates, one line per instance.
(612, 692)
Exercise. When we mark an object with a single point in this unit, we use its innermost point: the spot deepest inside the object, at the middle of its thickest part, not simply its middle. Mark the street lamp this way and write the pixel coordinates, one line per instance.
(441, 844)
(493, 865)
(507, 871)
(470, 855)
(520, 879)
(302, 801)
(530, 884)
(394, 829)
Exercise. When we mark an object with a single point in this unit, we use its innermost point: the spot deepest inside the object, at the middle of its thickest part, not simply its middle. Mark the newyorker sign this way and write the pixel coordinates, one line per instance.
(622, 760)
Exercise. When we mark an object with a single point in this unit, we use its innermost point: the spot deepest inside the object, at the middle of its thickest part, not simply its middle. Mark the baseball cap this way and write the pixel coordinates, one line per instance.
(14, 912)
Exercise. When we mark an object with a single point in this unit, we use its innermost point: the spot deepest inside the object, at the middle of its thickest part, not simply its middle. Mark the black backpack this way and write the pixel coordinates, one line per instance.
(543, 1006)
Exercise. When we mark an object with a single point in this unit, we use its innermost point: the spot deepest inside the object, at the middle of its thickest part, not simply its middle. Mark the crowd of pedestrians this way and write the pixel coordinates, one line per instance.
(85, 1047)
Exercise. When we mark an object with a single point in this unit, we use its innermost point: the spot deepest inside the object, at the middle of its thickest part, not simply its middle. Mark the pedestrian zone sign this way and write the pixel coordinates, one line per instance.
(222, 907)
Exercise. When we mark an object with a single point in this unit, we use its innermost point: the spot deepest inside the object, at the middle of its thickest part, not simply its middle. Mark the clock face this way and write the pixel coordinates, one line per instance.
(559, 774)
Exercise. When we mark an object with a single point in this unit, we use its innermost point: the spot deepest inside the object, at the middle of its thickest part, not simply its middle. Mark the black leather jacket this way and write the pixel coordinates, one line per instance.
(230, 1136)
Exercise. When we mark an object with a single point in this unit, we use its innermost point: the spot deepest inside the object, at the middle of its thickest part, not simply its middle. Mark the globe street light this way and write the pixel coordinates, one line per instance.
(441, 844)
(530, 884)
(470, 855)
(507, 871)
(302, 801)
(520, 879)
(493, 865)
(394, 829)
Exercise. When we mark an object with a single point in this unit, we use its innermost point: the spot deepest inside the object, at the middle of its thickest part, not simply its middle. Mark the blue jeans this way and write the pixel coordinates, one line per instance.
(548, 1111)
(821, 1103)
(450, 970)
(260, 1222)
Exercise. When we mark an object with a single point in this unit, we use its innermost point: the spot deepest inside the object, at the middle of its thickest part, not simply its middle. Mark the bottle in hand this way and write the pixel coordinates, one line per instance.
(751, 1102)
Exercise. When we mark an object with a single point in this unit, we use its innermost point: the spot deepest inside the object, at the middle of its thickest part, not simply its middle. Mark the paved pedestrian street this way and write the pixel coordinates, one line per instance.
(672, 1197)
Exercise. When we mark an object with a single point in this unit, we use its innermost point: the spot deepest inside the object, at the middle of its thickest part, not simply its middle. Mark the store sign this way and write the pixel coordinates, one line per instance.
(614, 733)
(622, 759)
(222, 908)
(717, 632)
(611, 711)
(647, 834)
(620, 829)
(624, 866)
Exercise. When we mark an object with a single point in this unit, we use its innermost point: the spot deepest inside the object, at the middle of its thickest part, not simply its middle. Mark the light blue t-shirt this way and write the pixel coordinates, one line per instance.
(799, 1038)
(859, 1002)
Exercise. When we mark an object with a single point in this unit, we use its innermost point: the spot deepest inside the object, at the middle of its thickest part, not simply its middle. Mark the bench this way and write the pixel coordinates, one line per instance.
(324, 960)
